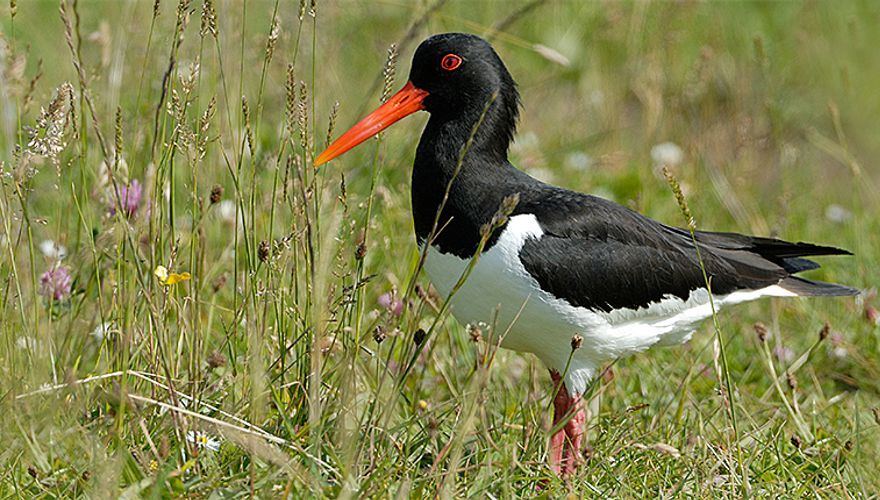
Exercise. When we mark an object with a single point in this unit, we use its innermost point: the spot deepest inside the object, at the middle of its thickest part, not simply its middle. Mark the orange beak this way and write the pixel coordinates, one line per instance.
(406, 102)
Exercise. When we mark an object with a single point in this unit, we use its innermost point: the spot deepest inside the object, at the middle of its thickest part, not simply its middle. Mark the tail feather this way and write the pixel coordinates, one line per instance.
(798, 264)
(809, 288)
(769, 248)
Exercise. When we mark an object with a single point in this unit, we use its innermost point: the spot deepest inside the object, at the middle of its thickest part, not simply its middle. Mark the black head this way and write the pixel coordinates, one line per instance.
(455, 77)
(461, 73)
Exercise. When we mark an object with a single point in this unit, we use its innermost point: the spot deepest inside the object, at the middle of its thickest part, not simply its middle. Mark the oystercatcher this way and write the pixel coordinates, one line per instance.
(575, 279)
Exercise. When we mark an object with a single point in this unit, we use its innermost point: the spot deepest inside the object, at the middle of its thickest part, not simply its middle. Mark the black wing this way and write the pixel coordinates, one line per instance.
(597, 254)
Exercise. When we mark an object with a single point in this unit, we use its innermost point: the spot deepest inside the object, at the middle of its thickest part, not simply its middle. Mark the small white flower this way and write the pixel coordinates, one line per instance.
(226, 209)
(27, 343)
(203, 441)
(578, 160)
(102, 331)
(668, 154)
(837, 214)
(53, 250)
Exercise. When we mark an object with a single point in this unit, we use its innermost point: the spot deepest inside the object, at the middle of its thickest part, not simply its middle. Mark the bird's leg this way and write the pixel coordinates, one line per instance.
(574, 431)
(565, 444)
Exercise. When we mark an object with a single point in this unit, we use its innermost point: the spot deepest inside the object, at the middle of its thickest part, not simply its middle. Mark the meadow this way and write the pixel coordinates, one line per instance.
(188, 308)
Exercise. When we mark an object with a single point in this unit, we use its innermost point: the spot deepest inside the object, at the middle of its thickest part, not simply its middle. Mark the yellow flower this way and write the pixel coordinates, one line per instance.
(167, 278)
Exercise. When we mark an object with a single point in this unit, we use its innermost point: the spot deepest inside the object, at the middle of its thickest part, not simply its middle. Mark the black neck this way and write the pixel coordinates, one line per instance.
(479, 181)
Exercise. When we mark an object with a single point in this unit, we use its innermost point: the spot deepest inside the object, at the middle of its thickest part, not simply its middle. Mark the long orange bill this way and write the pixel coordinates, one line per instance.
(406, 102)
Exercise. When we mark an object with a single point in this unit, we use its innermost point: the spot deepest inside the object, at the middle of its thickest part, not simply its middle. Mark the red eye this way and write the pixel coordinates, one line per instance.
(450, 62)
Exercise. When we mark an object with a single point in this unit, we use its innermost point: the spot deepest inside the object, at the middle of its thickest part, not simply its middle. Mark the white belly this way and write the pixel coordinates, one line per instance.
(501, 293)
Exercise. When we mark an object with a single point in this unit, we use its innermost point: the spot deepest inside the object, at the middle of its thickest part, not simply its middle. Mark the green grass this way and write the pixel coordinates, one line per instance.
(271, 347)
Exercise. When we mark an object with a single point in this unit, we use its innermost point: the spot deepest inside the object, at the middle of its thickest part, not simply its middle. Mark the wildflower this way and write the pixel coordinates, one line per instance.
(169, 279)
(668, 154)
(872, 315)
(837, 214)
(53, 250)
(27, 343)
(203, 441)
(838, 349)
(102, 331)
(391, 303)
(128, 198)
(227, 210)
(56, 282)
(578, 160)
(783, 354)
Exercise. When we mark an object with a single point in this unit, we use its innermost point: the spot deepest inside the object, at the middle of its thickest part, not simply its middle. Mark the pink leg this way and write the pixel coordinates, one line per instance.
(565, 445)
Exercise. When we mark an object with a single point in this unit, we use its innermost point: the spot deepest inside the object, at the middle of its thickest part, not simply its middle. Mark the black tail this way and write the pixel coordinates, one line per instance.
(809, 288)
(787, 255)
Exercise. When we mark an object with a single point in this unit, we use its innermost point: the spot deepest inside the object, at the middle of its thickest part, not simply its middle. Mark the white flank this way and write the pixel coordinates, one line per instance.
(537, 322)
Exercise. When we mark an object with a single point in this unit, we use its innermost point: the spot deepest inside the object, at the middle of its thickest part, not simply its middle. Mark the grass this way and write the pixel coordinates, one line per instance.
(282, 346)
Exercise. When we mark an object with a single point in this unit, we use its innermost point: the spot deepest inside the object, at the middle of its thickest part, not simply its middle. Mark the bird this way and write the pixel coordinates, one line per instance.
(577, 280)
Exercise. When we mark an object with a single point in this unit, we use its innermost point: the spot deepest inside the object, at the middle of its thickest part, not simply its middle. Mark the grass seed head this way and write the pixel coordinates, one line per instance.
(216, 360)
(379, 334)
(263, 252)
(209, 19)
(761, 331)
(216, 194)
(332, 121)
(290, 101)
(388, 72)
(246, 112)
(475, 332)
(302, 114)
(274, 34)
(419, 336)
(679, 197)
(219, 282)
(825, 331)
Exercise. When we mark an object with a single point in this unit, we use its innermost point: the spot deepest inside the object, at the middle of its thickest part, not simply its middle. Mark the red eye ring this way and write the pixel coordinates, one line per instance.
(450, 62)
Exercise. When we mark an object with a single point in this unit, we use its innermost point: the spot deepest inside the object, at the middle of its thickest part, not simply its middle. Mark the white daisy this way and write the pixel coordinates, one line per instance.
(203, 441)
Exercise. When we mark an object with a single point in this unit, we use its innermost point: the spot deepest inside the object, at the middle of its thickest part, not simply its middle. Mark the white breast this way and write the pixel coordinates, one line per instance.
(532, 320)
